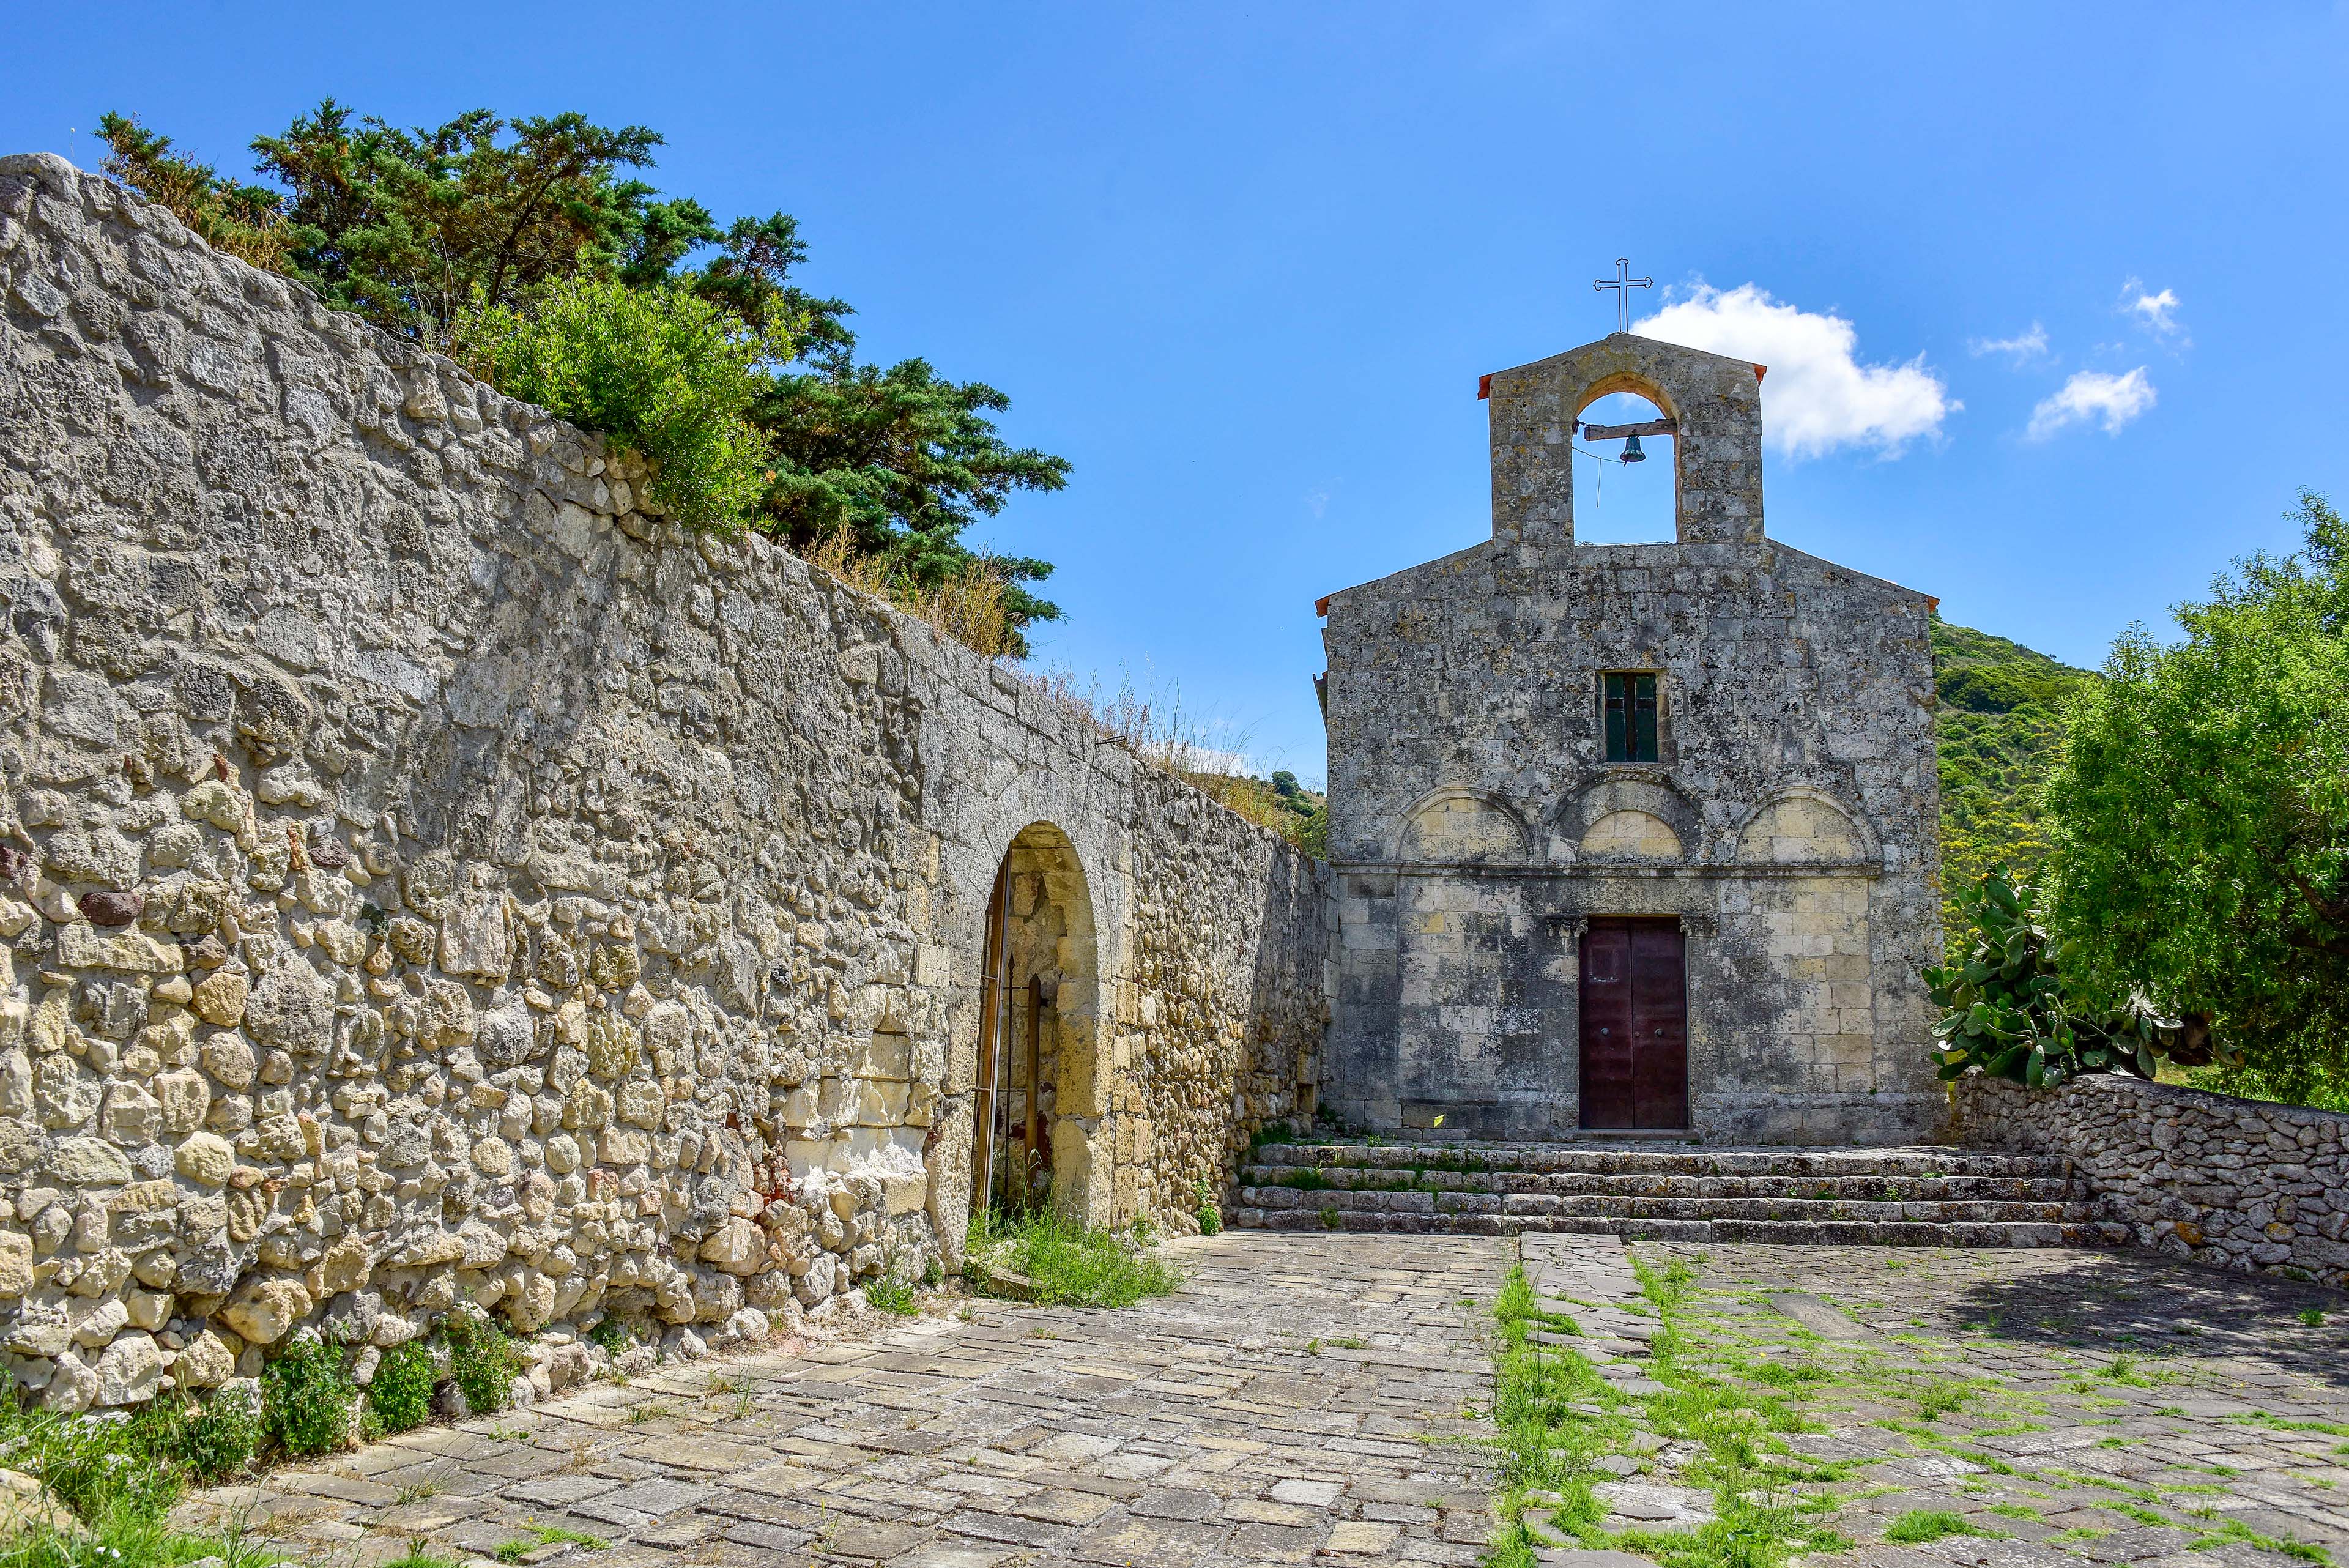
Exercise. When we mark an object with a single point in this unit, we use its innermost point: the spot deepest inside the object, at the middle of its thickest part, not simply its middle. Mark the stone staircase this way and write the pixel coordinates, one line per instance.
(1921, 1196)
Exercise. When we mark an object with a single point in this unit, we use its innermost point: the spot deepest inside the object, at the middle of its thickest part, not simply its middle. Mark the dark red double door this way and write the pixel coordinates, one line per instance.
(1634, 1025)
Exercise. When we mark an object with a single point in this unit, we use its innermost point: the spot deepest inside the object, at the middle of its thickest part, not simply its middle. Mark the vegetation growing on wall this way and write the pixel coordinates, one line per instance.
(664, 370)
(502, 242)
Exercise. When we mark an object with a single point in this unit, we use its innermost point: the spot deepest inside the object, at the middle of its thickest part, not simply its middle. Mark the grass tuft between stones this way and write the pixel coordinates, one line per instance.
(1920, 1525)
(1066, 1264)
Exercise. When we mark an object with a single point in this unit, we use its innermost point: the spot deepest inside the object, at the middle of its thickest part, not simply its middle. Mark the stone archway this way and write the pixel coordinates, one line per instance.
(1040, 1127)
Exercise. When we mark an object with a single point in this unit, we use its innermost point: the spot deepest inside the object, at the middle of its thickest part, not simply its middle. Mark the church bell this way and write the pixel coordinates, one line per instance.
(1632, 453)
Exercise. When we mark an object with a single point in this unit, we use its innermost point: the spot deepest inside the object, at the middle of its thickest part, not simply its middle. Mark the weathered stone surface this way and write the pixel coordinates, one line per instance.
(524, 897)
(1789, 822)
(2242, 1184)
(206, 1363)
(263, 1310)
(129, 1371)
(218, 998)
(205, 1158)
(108, 908)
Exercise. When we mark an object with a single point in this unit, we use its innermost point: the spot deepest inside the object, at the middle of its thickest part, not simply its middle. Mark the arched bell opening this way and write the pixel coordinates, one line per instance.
(1626, 486)
(1039, 1111)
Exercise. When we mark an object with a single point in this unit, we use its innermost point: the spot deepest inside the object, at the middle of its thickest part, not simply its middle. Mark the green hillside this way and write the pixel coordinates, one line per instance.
(1997, 729)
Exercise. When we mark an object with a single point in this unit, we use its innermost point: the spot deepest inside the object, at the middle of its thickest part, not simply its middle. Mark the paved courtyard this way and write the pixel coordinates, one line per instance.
(1289, 1405)
(2036, 1408)
(1326, 1399)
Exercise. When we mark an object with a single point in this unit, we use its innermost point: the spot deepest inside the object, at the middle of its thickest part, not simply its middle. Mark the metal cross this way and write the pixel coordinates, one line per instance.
(1623, 284)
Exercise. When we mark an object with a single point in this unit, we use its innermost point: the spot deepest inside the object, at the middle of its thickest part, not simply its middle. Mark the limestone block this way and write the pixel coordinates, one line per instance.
(41, 1328)
(880, 1104)
(641, 1103)
(611, 1043)
(16, 1264)
(1632, 836)
(131, 1116)
(904, 1194)
(738, 1247)
(129, 1371)
(478, 938)
(346, 1266)
(73, 1384)
(205, 1159)
(131, 952)
(292, 1009)
(206, 1361)
(183, 1097)
(214, 802)
(86, 1162)
(264, 1309)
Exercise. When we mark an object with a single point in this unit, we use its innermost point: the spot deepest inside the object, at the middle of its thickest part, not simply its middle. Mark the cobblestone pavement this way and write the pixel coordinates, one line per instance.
(2034, 1408)
(1279, 1408)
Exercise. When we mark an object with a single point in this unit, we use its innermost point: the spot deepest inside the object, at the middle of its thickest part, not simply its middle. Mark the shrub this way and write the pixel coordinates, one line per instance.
(213, 1440)
(400, 1396)
(659, 370)
(482, 1360)
(306, 1395)
(2012, 1013)
(1211, 1219)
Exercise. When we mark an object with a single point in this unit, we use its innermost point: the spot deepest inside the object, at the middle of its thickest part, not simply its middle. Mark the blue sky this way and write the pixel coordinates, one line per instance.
(1244, 264)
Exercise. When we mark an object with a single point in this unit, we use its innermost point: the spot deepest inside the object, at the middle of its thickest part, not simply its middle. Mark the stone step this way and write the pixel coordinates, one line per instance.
(1790, 1232)
(2056, 1208)
(1797, 1189)
(1607, 1159)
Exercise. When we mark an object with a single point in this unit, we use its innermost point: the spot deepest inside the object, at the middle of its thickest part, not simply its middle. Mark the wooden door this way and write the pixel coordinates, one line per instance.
(1634, 1025)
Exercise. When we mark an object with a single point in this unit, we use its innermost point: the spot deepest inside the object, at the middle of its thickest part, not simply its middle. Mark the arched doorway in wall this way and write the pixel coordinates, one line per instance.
(1041, 1089)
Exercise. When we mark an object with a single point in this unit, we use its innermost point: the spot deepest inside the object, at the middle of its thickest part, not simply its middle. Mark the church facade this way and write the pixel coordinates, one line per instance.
(1633, 839)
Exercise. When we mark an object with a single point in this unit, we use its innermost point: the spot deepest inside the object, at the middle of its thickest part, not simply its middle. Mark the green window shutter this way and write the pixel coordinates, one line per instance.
(1643, 729)
(1617, 720)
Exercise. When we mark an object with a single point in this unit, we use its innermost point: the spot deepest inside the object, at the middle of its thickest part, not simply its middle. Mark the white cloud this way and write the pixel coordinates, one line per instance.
(2114, 400)
(1191, 758)
(1817, 397)
(2023, 347)
(1317, 502)
(2157, 312)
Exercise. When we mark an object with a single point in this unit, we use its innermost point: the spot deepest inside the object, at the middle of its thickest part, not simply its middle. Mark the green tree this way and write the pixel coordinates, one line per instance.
(411, 228)
(2200, 815)
(904, 461)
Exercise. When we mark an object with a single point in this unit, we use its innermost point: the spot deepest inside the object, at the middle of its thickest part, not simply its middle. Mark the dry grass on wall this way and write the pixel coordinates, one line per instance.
(970, 608)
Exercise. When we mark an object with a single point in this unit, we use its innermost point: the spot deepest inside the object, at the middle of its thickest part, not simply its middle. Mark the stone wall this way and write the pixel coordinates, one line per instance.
(2241, 1183)
(431, 876)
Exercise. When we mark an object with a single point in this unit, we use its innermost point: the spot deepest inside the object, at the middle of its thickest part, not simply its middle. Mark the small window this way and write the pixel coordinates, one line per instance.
(1631, 717)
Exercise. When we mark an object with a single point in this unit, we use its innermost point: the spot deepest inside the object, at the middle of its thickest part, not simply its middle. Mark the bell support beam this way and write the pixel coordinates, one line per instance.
(1617, 432)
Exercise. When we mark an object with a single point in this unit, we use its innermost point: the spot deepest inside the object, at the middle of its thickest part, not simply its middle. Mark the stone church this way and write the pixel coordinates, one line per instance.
(1633, 839)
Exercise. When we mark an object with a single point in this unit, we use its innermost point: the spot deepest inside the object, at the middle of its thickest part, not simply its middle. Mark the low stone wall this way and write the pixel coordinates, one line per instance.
(2240, 1183)
(428, 876)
